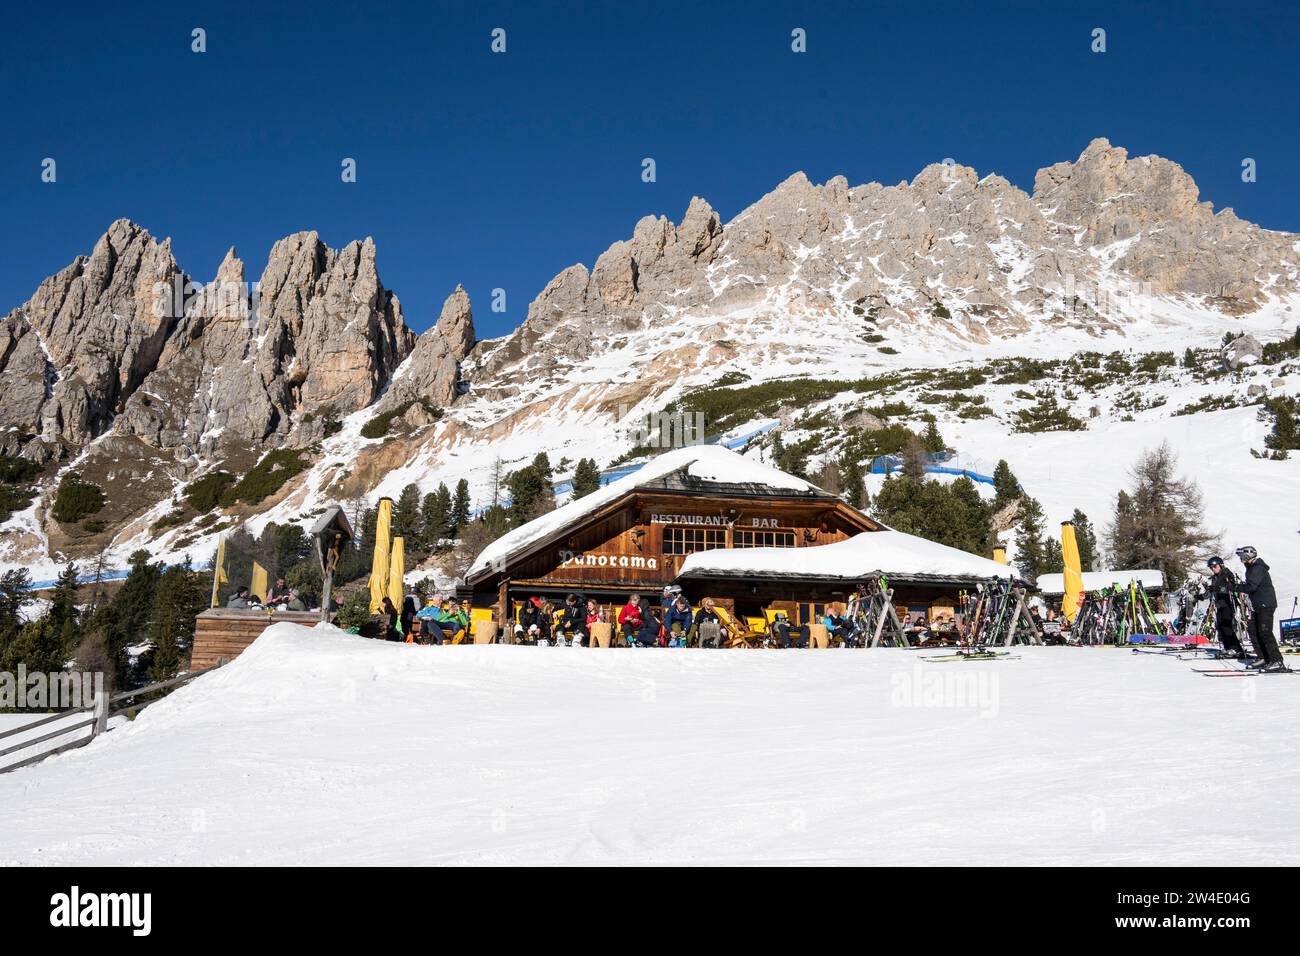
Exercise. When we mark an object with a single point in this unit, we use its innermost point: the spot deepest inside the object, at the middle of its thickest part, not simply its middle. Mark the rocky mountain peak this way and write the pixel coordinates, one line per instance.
(432, 371)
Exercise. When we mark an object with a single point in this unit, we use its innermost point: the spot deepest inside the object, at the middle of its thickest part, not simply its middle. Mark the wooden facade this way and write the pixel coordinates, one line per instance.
(223, 633)
(636, 544)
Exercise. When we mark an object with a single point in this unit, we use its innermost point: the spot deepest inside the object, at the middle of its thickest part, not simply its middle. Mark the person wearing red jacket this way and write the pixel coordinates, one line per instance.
(629, 618)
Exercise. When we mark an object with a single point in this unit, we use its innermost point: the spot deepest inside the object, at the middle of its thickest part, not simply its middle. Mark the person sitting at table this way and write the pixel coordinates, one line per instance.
(391, 620)
(429, 615)
(293, 601)
(629, 618)
(708, 615)
(678, 620)
(571, 619)
(278, 594)
(239, 600)
(837, 623)
(649, 630)
(451, 619)
(787, 634)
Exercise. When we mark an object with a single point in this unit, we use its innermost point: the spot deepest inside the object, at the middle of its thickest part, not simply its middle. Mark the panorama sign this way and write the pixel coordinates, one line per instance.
(575, 559)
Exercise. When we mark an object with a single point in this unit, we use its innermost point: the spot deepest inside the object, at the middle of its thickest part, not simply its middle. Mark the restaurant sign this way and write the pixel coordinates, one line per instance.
(717, 521)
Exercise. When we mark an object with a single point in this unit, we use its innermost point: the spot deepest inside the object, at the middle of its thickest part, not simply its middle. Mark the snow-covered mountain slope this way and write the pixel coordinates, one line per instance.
(318, 747)
(1248, 501)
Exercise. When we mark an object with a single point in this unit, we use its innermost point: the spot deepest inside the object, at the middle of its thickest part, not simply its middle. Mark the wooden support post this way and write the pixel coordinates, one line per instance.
(101, 713)
(503, 604)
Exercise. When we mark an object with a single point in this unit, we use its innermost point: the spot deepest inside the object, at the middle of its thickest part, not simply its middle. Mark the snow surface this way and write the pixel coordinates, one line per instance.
(707, 462)
(894, 552)
(1147, 579)
(315, 747)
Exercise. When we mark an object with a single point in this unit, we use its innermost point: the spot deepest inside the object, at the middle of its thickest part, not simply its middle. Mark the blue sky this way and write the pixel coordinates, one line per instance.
(497, 171)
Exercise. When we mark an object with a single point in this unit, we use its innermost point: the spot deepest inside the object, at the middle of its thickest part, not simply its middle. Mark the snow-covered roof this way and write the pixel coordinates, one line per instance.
(1147, 578)
(893, 553)
(707, 463)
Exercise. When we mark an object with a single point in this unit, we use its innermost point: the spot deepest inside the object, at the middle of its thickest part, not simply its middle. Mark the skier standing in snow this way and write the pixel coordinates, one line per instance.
(1221, 588)
(1258, 584)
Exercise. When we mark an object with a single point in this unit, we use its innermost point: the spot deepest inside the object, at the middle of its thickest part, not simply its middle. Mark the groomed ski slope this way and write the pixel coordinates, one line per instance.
(317, 747)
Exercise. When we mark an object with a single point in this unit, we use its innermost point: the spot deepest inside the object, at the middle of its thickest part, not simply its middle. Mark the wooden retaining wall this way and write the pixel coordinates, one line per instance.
(219, 632)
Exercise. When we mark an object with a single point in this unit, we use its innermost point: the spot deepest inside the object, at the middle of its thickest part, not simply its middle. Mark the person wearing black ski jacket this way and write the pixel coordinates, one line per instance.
(1258, 586)
(1220, 587)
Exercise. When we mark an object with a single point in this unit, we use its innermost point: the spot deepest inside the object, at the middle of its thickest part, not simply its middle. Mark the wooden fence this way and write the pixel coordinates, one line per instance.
(99, 713)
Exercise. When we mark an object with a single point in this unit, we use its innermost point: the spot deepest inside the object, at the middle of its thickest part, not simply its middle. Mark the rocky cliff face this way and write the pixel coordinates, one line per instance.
(83, 344)
(143, 378)
(951, 255)
(318, 339)
(433, 370)
(123, 339)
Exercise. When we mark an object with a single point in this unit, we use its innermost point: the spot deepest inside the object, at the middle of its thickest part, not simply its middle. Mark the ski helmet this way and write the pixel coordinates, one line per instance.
(1215, 562)
(1247, 553)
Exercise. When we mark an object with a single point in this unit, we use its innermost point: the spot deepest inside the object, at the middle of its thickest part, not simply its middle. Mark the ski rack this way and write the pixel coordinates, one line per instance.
(1022, 625)
(875, 613)
(1002, 617)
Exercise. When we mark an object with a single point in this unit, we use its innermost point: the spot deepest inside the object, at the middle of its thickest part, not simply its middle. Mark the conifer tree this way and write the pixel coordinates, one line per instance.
(442, 526)
(460, 506)
(15, 594)
(932, 440)
(914, 459)
(855, 488)
(38, 646)
(126, 617)
(1005, 486)
(586, 478)
(1158, 523)
(968, 517)
(63, 599)
(178, 599)
(1053, 559)
(1086, 538)
(531, 489)
(1029, 538)
(830, 479)
(369, 528)
(406, 514)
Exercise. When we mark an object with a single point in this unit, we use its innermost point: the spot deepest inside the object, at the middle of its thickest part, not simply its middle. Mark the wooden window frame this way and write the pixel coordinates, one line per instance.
(693, 538)
(773, 533)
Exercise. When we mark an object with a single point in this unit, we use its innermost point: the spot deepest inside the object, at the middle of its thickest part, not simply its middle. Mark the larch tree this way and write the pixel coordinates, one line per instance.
(1158, 521)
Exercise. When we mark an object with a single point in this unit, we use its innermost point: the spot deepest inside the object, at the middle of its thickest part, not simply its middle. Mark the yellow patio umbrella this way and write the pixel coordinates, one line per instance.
(1000, 555)
(219, 571)
(379, 564)
(1073, 571)
(396, 569)
(258, 585)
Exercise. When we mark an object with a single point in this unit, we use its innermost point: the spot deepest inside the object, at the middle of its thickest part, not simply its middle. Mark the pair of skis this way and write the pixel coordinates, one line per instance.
(971, 656)
(1237, 672)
